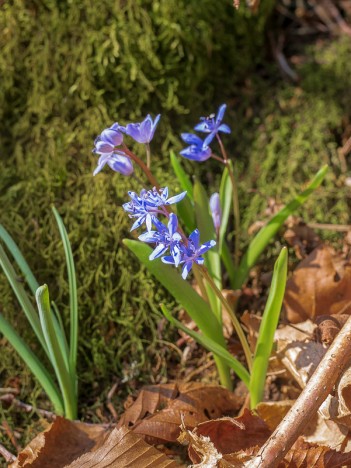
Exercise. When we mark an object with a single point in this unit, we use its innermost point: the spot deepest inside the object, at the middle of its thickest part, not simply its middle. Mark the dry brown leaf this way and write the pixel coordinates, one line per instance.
(329, 326)
(231, 435)
(301, 237)
(306, 455)
(156, 413)
(69, 444)
(320, 285)
(272, 412)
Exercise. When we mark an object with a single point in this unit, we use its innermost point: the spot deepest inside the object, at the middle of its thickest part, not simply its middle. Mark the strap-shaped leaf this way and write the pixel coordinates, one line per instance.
(182, 177)
(33, 363)
(268, 326)
(73, 296)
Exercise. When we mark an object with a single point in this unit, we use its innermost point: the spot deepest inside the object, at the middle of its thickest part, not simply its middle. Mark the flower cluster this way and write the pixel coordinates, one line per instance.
(108, 144)
(198, 149)
(146, 208)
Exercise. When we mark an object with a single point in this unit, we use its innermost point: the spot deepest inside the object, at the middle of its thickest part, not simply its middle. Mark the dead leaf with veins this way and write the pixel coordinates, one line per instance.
(156, 413)
(71, 444)
(321, 284)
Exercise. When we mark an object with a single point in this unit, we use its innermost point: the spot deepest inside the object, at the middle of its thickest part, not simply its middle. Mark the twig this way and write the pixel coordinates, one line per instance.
(10, 434)
(11, 400)
(9, 457)
(330, 227)
(316, 391)
(109, 402)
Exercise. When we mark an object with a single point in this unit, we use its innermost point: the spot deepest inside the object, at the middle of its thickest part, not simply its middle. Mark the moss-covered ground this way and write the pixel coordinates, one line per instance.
(68, 72)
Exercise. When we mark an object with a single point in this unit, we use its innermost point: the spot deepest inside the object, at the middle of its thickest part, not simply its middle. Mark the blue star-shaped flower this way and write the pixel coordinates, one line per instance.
(143, 132)
(192, 253)
(198, 149)
(213, 124)
(166, 237)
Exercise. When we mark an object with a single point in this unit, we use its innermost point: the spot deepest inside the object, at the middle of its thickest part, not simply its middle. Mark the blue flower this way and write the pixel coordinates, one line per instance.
(165, 238)
(216, 211)
(108, 140)
(105, 146)
(192, 253)
(117, 161)
(143, 132)
(213, 124)
(146, 206)
(198, 149)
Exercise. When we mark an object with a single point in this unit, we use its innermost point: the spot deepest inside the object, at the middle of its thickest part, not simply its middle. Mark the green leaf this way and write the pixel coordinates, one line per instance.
(19, 259)
(73, 296)
(22, 298)
(62, 370)
(263, 237)
(186, 214)
(268, 326)
(182, 177)
(198, 309)
(226, 197)
(33, 363)
(212, 346)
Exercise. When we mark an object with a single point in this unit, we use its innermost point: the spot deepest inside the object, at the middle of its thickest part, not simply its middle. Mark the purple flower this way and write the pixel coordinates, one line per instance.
(117, 161)
(108, 140)
(213, 124)
(146, 206)
(216, 211)
(143, 132)
(105, 146)
(165, 238)
(192, 253)
(198, 149)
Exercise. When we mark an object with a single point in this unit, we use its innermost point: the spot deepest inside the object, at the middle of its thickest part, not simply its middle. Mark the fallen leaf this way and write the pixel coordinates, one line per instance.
(306, 455)
(272, 412)
(156, 413)
(320, 285)
(231, 435)
(329, 326)
(301, 237)
(70, 444)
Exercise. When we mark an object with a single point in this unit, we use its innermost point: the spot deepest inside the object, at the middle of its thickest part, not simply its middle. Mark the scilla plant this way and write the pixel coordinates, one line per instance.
(47, 325)
(189, 232)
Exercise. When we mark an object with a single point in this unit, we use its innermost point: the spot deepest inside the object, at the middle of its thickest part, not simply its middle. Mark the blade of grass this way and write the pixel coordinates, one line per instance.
(33, 363)
(225, 196)
(263, 237)
(212, 346)
(22, 297)
(18, 257)
(30, 278)
(62, 370)
(73, 297)
(182, 176)
(268, 326)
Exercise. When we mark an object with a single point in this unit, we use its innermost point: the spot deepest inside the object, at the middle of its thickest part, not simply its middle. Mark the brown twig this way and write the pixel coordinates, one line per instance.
(109, 401)
(316, 391)
(11, 400)
(9, 457)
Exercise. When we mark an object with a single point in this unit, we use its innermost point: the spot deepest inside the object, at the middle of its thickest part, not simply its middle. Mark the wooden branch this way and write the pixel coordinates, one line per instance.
(306, 406)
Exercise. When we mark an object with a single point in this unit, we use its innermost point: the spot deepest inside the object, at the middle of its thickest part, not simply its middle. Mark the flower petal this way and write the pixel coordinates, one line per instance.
(205, 247)
(220, 113)
(191, 139)
(176, 198)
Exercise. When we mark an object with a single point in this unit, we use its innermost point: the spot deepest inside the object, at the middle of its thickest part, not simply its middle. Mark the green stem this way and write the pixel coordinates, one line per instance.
(236, 207)
(237, 326)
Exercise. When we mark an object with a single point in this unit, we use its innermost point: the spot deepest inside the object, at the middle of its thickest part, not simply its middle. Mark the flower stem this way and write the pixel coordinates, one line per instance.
(237, 326)
(148, 155)
(236, 208)
(142, 166)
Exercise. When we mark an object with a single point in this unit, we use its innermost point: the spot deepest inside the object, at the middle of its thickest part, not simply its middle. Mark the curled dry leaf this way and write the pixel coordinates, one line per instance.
(301, 237)
(69, 444)
(307, 455)
(156, 413)
(320, 285)
(329, 326)
(231, 435)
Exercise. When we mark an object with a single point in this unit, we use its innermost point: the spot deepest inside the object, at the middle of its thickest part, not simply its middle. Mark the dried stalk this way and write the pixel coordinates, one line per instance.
(9, 457)
(306, 406)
